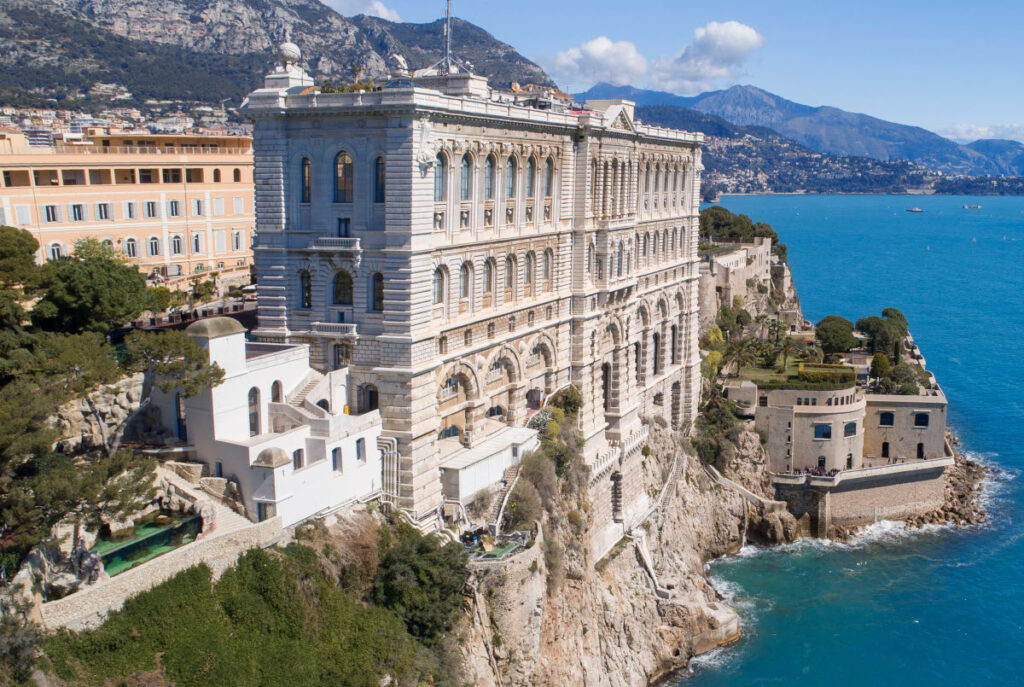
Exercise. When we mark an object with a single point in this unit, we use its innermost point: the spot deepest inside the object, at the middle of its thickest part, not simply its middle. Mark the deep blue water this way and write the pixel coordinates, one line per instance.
(945, 607)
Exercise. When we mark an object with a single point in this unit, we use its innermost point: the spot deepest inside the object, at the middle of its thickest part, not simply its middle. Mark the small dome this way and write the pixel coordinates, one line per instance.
(215, 328)
(273, 457)
(289, 53)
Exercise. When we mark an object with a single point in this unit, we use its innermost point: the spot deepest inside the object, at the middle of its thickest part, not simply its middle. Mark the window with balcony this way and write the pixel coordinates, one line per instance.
(343, 182)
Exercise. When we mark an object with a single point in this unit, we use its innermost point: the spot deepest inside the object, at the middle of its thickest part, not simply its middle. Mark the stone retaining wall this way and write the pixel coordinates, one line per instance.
(87, 607)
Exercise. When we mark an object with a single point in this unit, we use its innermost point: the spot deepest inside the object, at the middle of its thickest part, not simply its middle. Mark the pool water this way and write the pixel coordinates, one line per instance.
(153, 536)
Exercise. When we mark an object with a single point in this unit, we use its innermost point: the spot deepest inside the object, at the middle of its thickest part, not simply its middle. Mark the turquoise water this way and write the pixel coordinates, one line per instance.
(945, 607)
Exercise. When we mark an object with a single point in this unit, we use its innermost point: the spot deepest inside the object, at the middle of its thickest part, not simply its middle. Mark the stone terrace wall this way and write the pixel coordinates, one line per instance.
(87, 607)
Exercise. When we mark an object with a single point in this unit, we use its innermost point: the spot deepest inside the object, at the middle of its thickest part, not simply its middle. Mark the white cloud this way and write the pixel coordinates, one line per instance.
(601, 59)
(718, 51)
(966, 133)
(374, 8)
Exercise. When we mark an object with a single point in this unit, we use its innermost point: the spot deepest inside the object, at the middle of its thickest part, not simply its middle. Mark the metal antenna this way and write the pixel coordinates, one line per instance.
(446, 64)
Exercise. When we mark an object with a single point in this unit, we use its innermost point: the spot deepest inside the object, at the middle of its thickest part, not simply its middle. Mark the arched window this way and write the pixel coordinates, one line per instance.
(377, 301)
(237, 175)
(850, 429)
(438, 286)
(489, 178)
(216, 176)
(368, 398)
(343, 288)
(489, 276)
(306, 181)
(921, 419)
(590, 259)
(465, 280)
(647, 178)
(619, 261)
(343, 178)
(176, 245)
(56, 251)
(154, 246)
(593, 184)
(528, 271)
(510, 272)
(440, 178)
(276, 394)
(254, 411)
(130, 248)
(466, 178)
(549, 177)
(549, 258)
(654, 246)
(531, 177)
(305, 289)
(886, 419)
(325, 404)
(379, 180)
(510, 179)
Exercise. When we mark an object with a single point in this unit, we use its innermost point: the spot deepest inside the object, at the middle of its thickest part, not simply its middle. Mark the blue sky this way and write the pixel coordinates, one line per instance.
(952, 67)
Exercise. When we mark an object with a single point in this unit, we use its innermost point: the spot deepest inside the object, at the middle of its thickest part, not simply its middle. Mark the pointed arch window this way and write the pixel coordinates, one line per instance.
(379, 180)
(440, 178)
(466, 178)
(305, 289)
(306, 181)
(489, 178)
(343, 188)
(343, 288)
(254, 411)
(510, 179)
(549, 177)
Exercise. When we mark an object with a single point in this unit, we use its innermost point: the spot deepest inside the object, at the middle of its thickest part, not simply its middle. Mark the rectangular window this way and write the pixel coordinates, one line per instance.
(103, 211)
(77, 213)
(336, 460)
(151, 210)
(52, 213)
(236, 241)
(298, 459)
(173, 208)
(361, 450)
(172, 176)
(197, 207)
(23, 214)
(194, 176)
(147, 176)
(822, 431)
(344, 224)
(238, 205)
(129, 210)
(218, 207)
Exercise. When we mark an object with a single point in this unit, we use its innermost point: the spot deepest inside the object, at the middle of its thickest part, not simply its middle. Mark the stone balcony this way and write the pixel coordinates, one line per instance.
(335, 329)
(335, 244)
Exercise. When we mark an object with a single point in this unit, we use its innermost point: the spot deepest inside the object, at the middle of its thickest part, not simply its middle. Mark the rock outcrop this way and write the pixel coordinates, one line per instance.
(619, 622)
(88, 422)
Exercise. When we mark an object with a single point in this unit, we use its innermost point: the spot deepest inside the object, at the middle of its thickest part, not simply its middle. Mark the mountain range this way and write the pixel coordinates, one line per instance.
(835, 131)
(207, 50)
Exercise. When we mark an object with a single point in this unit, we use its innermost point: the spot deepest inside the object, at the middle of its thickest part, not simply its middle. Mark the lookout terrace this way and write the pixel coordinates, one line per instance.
(465, 253)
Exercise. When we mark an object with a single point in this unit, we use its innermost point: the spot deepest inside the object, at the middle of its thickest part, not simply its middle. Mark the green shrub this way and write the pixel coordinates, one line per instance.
(569, 400)
(524, 506)
(539, 470)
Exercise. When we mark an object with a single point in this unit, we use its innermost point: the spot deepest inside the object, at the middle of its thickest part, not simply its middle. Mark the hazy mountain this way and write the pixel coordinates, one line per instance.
(1008, 155)
(825, 129)
(213, 49)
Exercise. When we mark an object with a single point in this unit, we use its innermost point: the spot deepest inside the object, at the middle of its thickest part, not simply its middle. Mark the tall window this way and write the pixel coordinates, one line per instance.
(438, 286)
(593, 183)
(276, 394)
(176, 245)
(510, 272)
(531, 177)
(466, 178)
(377, 303)
(130, 248)
(341, 356)
(510, 179)
(488, 276)
(154, 246)
(307, 181)
(254, 411)
(55, 251)
(197, 243)
(305, 289)
(549, 257)
(343, 288)
(379, 180)
(237, 175)
(489, 178)
(465, 280)
(647, 178)
(528, 271)
(619, 263)
(440, 178)
(343, 178)
(549, 177)
(298, 459)
(216, 176)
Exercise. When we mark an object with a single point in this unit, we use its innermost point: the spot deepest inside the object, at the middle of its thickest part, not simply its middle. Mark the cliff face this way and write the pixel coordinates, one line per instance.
(616, 623)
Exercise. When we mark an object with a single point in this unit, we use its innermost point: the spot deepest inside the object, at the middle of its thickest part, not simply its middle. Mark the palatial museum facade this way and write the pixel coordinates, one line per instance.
(467, 253)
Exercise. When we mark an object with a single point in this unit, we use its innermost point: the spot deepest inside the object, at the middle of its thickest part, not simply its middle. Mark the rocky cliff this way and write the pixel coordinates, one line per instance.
(638, 614)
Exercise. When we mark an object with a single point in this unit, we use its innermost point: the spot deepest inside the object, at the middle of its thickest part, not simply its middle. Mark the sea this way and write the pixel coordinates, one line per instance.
(942, 606)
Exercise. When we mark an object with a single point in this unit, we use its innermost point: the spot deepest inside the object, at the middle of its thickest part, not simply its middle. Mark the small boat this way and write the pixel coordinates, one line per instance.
(972, 207)
(914, 210)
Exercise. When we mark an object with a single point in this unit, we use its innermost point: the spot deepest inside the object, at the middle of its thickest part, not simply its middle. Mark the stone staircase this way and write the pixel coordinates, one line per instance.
(509, 479)
(312, 380)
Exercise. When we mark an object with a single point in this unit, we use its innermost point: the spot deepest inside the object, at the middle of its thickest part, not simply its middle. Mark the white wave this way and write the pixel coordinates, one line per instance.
(714, 660)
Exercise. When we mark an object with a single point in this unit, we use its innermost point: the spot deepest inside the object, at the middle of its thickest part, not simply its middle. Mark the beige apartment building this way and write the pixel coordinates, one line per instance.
(177, 206)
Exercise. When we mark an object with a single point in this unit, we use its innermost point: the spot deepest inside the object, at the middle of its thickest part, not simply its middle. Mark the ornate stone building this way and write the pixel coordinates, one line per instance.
(467, 254)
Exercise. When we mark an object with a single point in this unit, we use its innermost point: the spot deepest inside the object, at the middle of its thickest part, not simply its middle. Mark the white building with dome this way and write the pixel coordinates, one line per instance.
(276, 428)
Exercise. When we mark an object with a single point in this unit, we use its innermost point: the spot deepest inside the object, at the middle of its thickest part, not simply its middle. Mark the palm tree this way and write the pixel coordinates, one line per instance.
(741, 353)
(762, 322)
(787, 349)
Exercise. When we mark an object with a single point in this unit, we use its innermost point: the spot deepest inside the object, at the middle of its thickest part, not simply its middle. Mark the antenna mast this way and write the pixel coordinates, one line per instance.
(446, 64)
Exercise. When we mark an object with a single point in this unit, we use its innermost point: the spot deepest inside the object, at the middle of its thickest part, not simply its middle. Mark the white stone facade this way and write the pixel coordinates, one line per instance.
(464, 258)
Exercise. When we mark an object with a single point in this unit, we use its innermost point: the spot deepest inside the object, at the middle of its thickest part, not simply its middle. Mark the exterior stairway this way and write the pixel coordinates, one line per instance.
(508, 479)
(312, 380)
